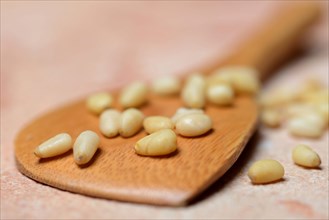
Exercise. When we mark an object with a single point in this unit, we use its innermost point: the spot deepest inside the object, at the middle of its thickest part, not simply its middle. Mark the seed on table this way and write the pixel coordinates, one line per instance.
(155, 123)
(131, 121)
(98, 102)
(193, 93)
(271, 118)
(265, 171)
(165, 86)
(54, 146)
(309, 125)
(278, 97)
(159, 143)
(315, 97)
(133, 95)
(323, 110)
(109, 123)
(305, 156)
(193, 125)
(85, 146)
(185, 111)
(220, 94)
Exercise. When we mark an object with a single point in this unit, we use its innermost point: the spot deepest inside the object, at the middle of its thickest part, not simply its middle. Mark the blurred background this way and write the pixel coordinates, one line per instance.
(54, 52)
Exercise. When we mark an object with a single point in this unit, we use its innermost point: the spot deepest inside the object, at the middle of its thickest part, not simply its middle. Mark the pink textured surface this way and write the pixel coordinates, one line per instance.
(53, 52)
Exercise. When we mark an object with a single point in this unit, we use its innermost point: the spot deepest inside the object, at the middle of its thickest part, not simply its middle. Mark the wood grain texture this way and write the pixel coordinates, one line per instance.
(116, 172)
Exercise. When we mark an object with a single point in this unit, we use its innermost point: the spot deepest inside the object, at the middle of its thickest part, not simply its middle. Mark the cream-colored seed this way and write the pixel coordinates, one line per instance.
(304, 156)
(109, 123)
(185, 111)
(159, 143)
(98, 102)
(279, 97)
(54, 146)
(265, 171)
(219, 77)
(323, 110)
(298, 109)
(193, 125)
(166, 86)
(193, 93)
(85, 146)
(271, 117)
(221, 94)
(310, 125)
(318, 96)
(134, 95)
(131, 121)
(244, 80)
(155, 123)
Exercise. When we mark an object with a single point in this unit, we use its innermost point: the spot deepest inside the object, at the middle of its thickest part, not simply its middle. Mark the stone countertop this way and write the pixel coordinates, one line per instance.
(54, 52)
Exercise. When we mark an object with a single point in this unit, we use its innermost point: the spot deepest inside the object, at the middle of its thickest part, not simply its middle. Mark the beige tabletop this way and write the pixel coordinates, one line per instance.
(54, 52)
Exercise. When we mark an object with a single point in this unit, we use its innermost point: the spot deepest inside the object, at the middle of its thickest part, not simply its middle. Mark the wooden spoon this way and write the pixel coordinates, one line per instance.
(116, 172)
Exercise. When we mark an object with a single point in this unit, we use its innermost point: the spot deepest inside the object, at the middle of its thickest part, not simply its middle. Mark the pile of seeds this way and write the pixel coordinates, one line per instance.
(307, 115)
(304, 112)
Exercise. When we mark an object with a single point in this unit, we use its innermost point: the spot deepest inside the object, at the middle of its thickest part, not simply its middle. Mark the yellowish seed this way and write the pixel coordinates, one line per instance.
(220, 94)
(54, 146)
(134, 95)
(318, 96)
(244, 80)
(278, 97)
(85, 146)
(219, 77)
(131, 122)
(109, 123)
(166, 86)
(271, 118)
(193, 125)
(323, 110)
(305, 156)
(159, 143)
(265, 171)
(98, 102)
(193, 93)
(155, 123)
(185, 111)
(310, 125)
(298, 109)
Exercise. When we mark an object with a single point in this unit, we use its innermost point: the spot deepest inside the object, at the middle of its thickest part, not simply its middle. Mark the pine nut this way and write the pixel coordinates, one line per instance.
(305, 156)
(315, 97)
(220, 94)
(265, 171)
(109, 123)
(279, 97)
(310, 125)
(192, 125)
(155, 123)
(271, 118)
(323, 110)
(131, 122)
(98, 102)
(54, 146)
(244, 80)
(219, 77)
(166, 86)
(159, 143)
(85, 146)
(134, 95)
(185, 111)
(193, 92)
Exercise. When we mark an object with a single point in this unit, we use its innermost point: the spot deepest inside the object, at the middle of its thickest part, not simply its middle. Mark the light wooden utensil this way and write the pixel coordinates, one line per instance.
(116, 172)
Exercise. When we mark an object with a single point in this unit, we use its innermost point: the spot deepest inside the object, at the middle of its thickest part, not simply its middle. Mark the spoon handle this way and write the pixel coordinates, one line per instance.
(276, 41)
